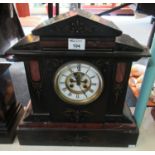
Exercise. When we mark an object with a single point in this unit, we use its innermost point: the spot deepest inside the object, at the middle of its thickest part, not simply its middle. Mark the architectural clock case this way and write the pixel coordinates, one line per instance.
(77, 66)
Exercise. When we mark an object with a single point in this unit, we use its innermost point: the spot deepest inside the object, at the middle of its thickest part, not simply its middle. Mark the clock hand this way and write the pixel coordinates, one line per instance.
(74, 75)
(84, 81)
(78, 81)
(78, 78)
(82, 91)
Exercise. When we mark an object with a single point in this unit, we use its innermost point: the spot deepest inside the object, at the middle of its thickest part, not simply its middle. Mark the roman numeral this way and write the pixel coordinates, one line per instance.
(64, 89)
(79, 67)
(77, 95)
(93, 84)
(62, 82)
(64, 75)
(87, 70)
(70, 94)
(91, 90)
(70, 70)
(92, 76)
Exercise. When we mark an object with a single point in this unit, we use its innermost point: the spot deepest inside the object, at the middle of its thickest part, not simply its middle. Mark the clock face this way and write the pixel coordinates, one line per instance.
(78, 83)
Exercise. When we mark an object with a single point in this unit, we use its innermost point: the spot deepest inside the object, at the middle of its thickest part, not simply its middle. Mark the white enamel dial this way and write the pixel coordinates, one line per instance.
(78, 83)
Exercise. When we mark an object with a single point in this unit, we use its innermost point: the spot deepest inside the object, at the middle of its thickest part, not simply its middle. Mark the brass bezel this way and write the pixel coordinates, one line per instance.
(78, 102)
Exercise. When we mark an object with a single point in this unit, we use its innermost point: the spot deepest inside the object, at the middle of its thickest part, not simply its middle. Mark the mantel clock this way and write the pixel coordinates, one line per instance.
(77, 66)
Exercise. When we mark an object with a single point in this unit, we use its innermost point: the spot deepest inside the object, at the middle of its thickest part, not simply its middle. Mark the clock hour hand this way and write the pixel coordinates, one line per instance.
(78, 78)
(74, 75)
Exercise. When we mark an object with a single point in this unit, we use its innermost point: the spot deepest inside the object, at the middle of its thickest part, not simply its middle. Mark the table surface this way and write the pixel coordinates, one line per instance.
(146, 141)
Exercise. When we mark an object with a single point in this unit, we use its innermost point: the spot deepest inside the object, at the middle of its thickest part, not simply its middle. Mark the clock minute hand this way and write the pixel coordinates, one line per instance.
(82, 91)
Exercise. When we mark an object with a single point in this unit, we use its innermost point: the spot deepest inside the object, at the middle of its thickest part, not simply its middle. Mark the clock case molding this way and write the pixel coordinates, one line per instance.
(45, 50)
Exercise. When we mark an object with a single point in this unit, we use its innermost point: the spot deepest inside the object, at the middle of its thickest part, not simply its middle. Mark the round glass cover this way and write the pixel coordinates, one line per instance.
(78, 83)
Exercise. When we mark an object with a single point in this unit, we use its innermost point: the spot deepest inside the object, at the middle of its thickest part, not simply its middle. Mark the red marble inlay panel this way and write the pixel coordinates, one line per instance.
(120, 72)
(34, 69)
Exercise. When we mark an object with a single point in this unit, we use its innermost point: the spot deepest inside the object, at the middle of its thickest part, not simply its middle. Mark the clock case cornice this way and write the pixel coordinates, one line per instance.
(102, 37)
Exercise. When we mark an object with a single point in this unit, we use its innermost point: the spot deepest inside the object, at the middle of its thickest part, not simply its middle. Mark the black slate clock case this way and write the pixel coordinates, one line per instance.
(105, 122)
(59, 110)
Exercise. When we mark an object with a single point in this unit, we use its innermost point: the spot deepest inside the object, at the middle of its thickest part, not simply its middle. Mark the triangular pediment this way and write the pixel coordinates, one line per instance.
(97, 36)
(77, 23)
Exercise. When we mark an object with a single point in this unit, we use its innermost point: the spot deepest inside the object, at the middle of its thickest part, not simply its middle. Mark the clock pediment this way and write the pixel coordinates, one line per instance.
(77, 23)
(97, 37)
